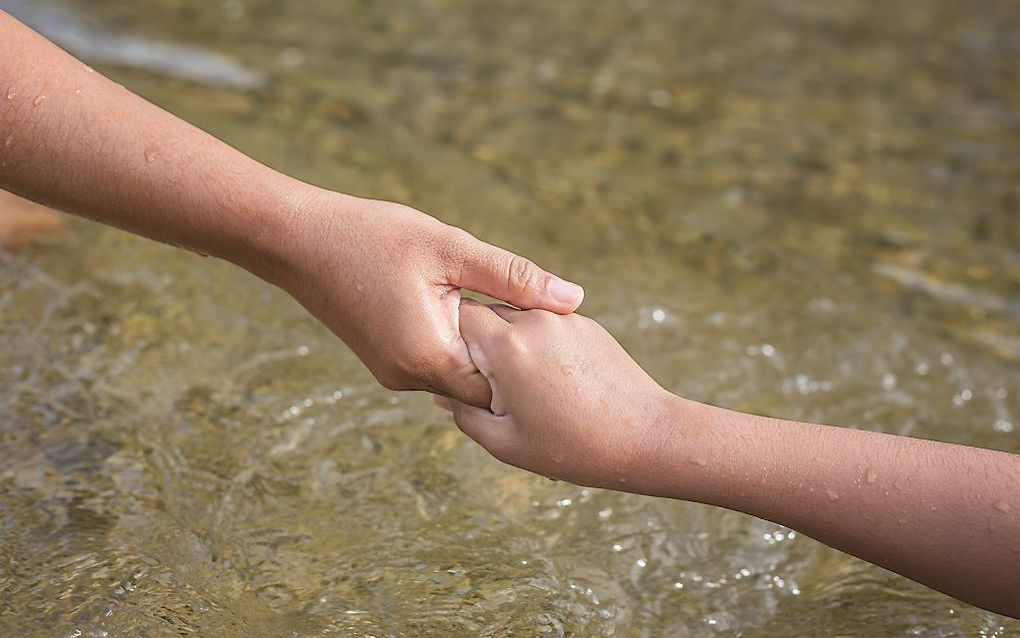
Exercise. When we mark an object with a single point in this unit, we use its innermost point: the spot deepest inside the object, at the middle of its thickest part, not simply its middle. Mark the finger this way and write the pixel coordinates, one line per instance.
(443, 402)
(467, 387)
(514, 279)
(480, 328)
(488, 430)
(505, 312)
(479, 325)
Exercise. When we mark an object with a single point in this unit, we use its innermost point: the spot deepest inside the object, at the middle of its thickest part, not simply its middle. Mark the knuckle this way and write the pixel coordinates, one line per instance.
(545, 318)
(515, 343)
(522, 275)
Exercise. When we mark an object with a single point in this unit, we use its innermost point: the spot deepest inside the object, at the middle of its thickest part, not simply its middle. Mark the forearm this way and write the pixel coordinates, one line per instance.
(945, 515)
(74, 140)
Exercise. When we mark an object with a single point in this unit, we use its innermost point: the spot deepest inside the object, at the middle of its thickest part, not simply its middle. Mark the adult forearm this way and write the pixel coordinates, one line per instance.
(945, 515)
(74, 140)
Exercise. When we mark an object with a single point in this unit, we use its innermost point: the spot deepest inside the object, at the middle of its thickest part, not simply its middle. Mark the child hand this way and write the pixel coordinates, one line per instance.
(568, 402)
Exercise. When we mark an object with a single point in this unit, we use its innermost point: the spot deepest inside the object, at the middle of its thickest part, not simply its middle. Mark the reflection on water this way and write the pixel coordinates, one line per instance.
(803, 209)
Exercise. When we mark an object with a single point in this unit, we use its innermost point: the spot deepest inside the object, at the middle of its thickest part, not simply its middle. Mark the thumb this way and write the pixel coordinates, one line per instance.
(485, 428)
(511, 278)
(480, 327)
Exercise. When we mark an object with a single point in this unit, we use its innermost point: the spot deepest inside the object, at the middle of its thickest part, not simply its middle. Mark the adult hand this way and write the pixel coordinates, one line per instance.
(383, 277)
(386, 279)
(568, 401)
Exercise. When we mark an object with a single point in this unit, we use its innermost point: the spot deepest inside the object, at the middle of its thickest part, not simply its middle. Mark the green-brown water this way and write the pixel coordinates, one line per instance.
(810, 210)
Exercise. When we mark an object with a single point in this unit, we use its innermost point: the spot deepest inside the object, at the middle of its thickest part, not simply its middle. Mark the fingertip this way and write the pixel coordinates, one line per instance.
(566, 295)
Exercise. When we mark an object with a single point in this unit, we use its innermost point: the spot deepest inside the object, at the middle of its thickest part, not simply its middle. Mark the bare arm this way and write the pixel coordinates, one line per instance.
(569, 403)
(947, 516)
(72, 139)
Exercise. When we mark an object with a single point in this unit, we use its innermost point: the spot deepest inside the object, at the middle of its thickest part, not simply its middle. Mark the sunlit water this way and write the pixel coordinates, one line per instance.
(803, 209)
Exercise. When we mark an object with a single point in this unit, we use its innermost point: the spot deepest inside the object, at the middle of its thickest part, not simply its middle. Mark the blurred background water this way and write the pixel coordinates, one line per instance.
(809, 210)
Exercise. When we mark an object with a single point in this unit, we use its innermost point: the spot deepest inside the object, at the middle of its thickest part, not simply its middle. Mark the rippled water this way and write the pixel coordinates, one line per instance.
(810, 210)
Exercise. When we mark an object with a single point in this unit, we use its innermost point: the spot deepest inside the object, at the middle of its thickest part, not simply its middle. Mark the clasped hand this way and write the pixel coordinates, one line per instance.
(386, 279)
(557, 389)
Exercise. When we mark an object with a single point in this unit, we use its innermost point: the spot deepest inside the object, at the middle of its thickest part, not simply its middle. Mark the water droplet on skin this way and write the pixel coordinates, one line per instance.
(39, 99)
(11, 93)
(870, 476)
(566, 370)
(699, 461)
(7, 142)
(832, 495)
(87, 68)
(1001, 506)
(902, 521)
(152, 154)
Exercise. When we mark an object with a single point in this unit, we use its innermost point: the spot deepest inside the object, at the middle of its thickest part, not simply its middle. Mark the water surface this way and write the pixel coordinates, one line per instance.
(809, 210)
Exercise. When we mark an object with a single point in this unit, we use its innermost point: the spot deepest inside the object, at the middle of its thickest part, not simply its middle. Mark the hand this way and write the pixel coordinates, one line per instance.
(386, 279)
(568, 402)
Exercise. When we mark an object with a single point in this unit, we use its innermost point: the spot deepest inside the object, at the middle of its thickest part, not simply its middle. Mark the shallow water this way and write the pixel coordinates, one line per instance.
(803, 209)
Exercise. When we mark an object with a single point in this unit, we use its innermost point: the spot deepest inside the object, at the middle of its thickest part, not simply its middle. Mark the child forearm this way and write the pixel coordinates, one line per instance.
(572, 404)
(944, 515)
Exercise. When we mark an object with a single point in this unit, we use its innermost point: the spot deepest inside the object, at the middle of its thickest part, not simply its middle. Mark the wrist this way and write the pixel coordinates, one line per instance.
(680, 450)
(661, 417)
(286, 215)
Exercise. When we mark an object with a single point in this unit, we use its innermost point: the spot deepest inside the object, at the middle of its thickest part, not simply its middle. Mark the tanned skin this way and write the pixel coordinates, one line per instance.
(384, 277)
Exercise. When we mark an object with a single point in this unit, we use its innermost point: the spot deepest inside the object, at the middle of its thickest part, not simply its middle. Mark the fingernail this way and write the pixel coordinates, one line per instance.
(565, 291)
